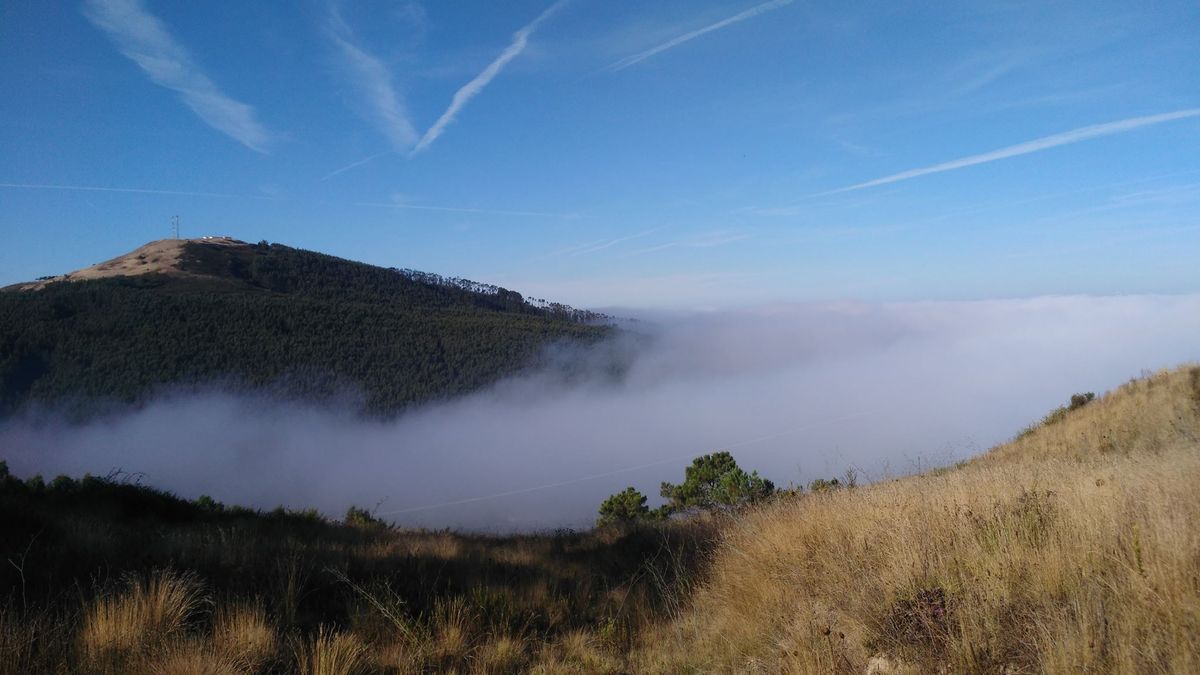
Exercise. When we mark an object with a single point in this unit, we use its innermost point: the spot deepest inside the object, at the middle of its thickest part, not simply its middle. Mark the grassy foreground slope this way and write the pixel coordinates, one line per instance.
(103, 576)
(1075, 548)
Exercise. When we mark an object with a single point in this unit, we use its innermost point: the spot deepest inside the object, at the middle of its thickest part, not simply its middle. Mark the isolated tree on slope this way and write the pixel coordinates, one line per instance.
(624, 507)
(715, 480)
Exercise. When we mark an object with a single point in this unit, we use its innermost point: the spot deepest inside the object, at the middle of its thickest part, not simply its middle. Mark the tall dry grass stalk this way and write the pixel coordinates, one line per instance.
(33, 640)
(191, 657)
(331, 653)
(242, 634)
(1072, 549)
(147, 614)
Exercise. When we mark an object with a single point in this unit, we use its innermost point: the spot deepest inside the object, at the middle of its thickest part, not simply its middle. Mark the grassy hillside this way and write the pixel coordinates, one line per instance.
(1072, 549)
(1075, 548)
(266, 316)
(105, 576)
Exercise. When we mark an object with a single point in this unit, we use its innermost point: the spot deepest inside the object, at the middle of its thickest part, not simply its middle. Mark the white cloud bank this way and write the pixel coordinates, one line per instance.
(799, 391)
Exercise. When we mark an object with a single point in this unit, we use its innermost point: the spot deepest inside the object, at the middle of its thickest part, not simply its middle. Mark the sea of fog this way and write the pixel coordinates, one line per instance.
(796, 391)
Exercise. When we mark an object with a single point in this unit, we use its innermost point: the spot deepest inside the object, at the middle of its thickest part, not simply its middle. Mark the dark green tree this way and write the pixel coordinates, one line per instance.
(624, 507)
(715, 480)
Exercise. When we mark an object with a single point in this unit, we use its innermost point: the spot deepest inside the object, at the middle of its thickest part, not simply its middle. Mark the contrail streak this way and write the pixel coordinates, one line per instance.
(353, 165)
(749, 13)
(461, 209)
(1036, 145)
(144, 191)
(471, 89)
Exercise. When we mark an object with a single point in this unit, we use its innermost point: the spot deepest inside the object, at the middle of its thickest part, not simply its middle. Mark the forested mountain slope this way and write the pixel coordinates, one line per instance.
(254, 316)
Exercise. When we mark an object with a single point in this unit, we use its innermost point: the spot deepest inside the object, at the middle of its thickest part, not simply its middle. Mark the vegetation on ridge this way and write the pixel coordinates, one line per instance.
(302, 324)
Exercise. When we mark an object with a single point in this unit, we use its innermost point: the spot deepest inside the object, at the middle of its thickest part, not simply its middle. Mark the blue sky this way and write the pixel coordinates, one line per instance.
(676, 153)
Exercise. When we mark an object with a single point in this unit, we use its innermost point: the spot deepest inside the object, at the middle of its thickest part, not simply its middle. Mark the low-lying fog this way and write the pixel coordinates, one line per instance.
(796, 391)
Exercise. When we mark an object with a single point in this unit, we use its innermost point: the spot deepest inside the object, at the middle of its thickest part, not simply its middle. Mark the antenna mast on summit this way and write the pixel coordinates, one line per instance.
(175, 225)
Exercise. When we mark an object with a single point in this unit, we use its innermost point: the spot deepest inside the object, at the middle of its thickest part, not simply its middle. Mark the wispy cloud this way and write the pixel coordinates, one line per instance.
(463, 209)
(144, 39)
(355, 164)
(375, 85)
(140, 191)
(569, 249)
(675, 42)
(601, 245)
(471, 89)
(1036, 145)
(707, 240)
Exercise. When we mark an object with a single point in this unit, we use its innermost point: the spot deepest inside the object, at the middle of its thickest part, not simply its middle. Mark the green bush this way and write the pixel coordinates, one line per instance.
(360, 517)
(715, 481)
(1080, 400)
(823, 485)
(627, 506)
(207, 503)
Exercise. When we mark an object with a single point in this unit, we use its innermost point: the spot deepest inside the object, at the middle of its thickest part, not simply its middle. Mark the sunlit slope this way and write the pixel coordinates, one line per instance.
(1075, 548)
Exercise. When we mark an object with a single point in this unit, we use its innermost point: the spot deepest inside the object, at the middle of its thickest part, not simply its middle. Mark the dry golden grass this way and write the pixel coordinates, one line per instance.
(578, 652)
(191, 657)
(242, 634)
(21, 635)
(502, 654)
(331, 653)
(1072, 549)
(148, 628)
(120, 628)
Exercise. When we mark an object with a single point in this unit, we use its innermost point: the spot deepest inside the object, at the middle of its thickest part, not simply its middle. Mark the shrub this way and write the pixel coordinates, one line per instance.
(715, 480)
(360, 517)
(624, 507)
(823, 485)
(209, 504)
(1080, 400)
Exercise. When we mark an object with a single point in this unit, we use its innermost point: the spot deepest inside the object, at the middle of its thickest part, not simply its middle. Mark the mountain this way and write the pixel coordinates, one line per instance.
(265, 317)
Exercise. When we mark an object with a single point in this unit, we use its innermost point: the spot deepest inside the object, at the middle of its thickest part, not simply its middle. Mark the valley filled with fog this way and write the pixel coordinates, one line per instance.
(795, 391)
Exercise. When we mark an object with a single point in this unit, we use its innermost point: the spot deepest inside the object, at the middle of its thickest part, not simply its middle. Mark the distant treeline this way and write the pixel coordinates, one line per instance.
(306, 324)
(555, 310)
